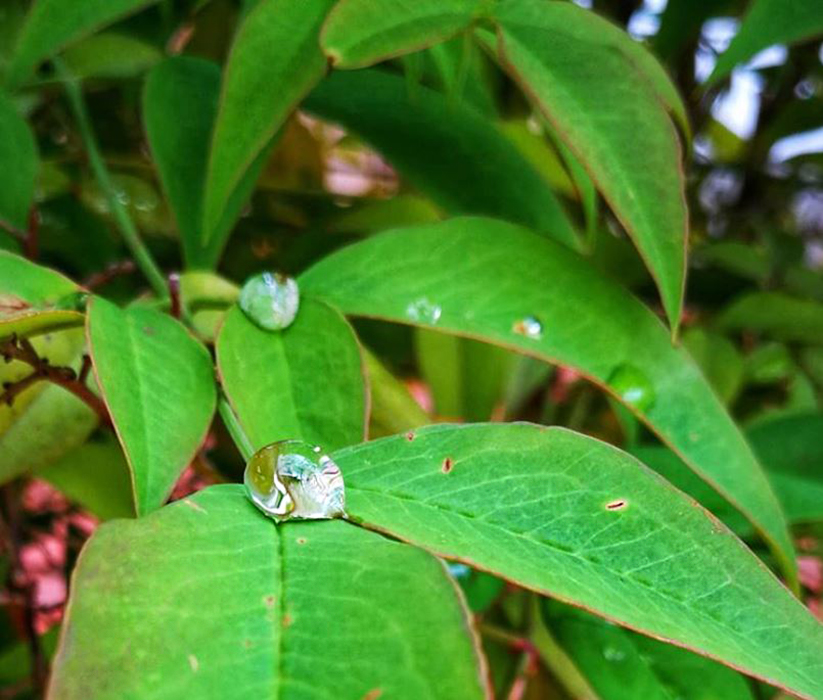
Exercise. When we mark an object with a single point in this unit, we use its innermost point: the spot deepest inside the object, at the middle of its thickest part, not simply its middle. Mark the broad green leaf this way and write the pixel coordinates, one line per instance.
(776, 315)
(211, 594)
(623, 665)
(579, 520)
(484, 279)
(18, 153)
(276, 45)
(158, 384)
(52, 24)
(480, 172)
(303, 382)
(96, 476)
(572, 63)
(34, 284)
(207, 296)
(766, 23)
(45, 421)
(393, 409)
(110, 55)
(359, 33)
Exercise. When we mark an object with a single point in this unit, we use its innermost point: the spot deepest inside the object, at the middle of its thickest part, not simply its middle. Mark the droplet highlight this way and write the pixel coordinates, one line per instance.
(529, 327)
(424, 311)
(270, 300)
(293, 480)
(633, 387)
(613, 654)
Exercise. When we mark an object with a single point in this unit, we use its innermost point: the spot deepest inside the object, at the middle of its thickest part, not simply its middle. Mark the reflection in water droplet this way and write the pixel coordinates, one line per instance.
(270, 300)
(633, 387)
(530, 327)
(458, 570)
(424, 311)
(293, 480)
(613, 654)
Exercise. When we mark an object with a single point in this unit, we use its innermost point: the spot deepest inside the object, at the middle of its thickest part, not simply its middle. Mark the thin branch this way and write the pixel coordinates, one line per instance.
(98, 279)
(174, 293)
(22, 350)
(124, 222)
(31, 243)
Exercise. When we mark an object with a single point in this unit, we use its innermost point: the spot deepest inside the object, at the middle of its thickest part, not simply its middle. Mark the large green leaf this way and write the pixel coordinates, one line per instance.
(489, 280)
(209, 599)
(45, 421)
(359, 33)
(158, 384)
(766, 23)
(275, 60)
(304, 382)
(51, 24)
(18, 153)
(776, 315)
(480, 172)
(577, 519)
(574, 63)
(623, 665)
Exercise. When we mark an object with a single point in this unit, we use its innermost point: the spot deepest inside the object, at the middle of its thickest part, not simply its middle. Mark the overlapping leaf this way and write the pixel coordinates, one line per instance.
(18, 152)
(581, 521)
(209, 592)
(494, 281)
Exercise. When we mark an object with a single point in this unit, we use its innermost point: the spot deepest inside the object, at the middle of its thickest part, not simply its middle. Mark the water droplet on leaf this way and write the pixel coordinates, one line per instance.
(530, 327)
(73, 301)
(613, 654)
(424, 311)
(270, 300)
(293, 480)
(633, 387)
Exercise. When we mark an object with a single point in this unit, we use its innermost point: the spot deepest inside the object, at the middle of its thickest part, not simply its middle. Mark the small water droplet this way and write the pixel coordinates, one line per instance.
(293, 480)
(611, 653)
(529, 326)
(633, 387)
(458, 570)
(424, 311)
(270, 300)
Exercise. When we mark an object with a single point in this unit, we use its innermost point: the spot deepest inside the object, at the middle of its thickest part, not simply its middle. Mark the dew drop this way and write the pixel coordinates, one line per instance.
(611, 653)
(293, 480)
(424, 311)
(633, 387)
(530, 327)
(270, 300)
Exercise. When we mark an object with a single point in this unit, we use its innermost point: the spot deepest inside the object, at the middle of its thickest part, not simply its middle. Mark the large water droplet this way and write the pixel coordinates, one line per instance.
(270, 300)
(633, 387)
(529, 326)
(293, 480)
(424, 311)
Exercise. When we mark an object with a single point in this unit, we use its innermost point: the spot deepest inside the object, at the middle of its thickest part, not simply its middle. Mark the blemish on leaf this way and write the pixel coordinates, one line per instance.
(287, 620)
(410, 436)
(269, 601)
(194, 506)
(618, 504)
(448, 465)
(247, 643)
(373, 694)
(194, 663)
(301, 540)
(148, 330)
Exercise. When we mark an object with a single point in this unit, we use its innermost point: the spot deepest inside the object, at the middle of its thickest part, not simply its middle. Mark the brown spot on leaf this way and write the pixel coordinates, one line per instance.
(287, 620)
(148, 330)
(301, 540)
(448, 465)
(619, 504)
(269, 601)
(373, 694)
(410, 436)
(247, 643)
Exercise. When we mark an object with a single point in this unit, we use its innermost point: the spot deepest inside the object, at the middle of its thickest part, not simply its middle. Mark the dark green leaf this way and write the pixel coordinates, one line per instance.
(158, 384)
(241, 608)
(18, 153)
(579, 520)
(721, 362)
(303, 382)
(483, 173)
(573, 63)
(483, 278)
(776, 315)
(111, 55)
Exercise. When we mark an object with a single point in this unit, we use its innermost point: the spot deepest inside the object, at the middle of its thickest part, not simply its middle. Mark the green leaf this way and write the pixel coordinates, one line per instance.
(393, 409)
(303, 382)
(45, 421)
(408, 129)
(242, 608)
(577, 519)
(96, 476)
(277, 45)
(623, 665)
(776, 315)
(573, 63)
(34, 284)
(766, 23)
(18, 152)
(588, 323)
(52, 24)
(359, 33)
(158, 384)
(110, 55)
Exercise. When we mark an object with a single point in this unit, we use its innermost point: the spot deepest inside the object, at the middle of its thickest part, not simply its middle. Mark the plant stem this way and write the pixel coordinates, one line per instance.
(235, 429)
(124, 222)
